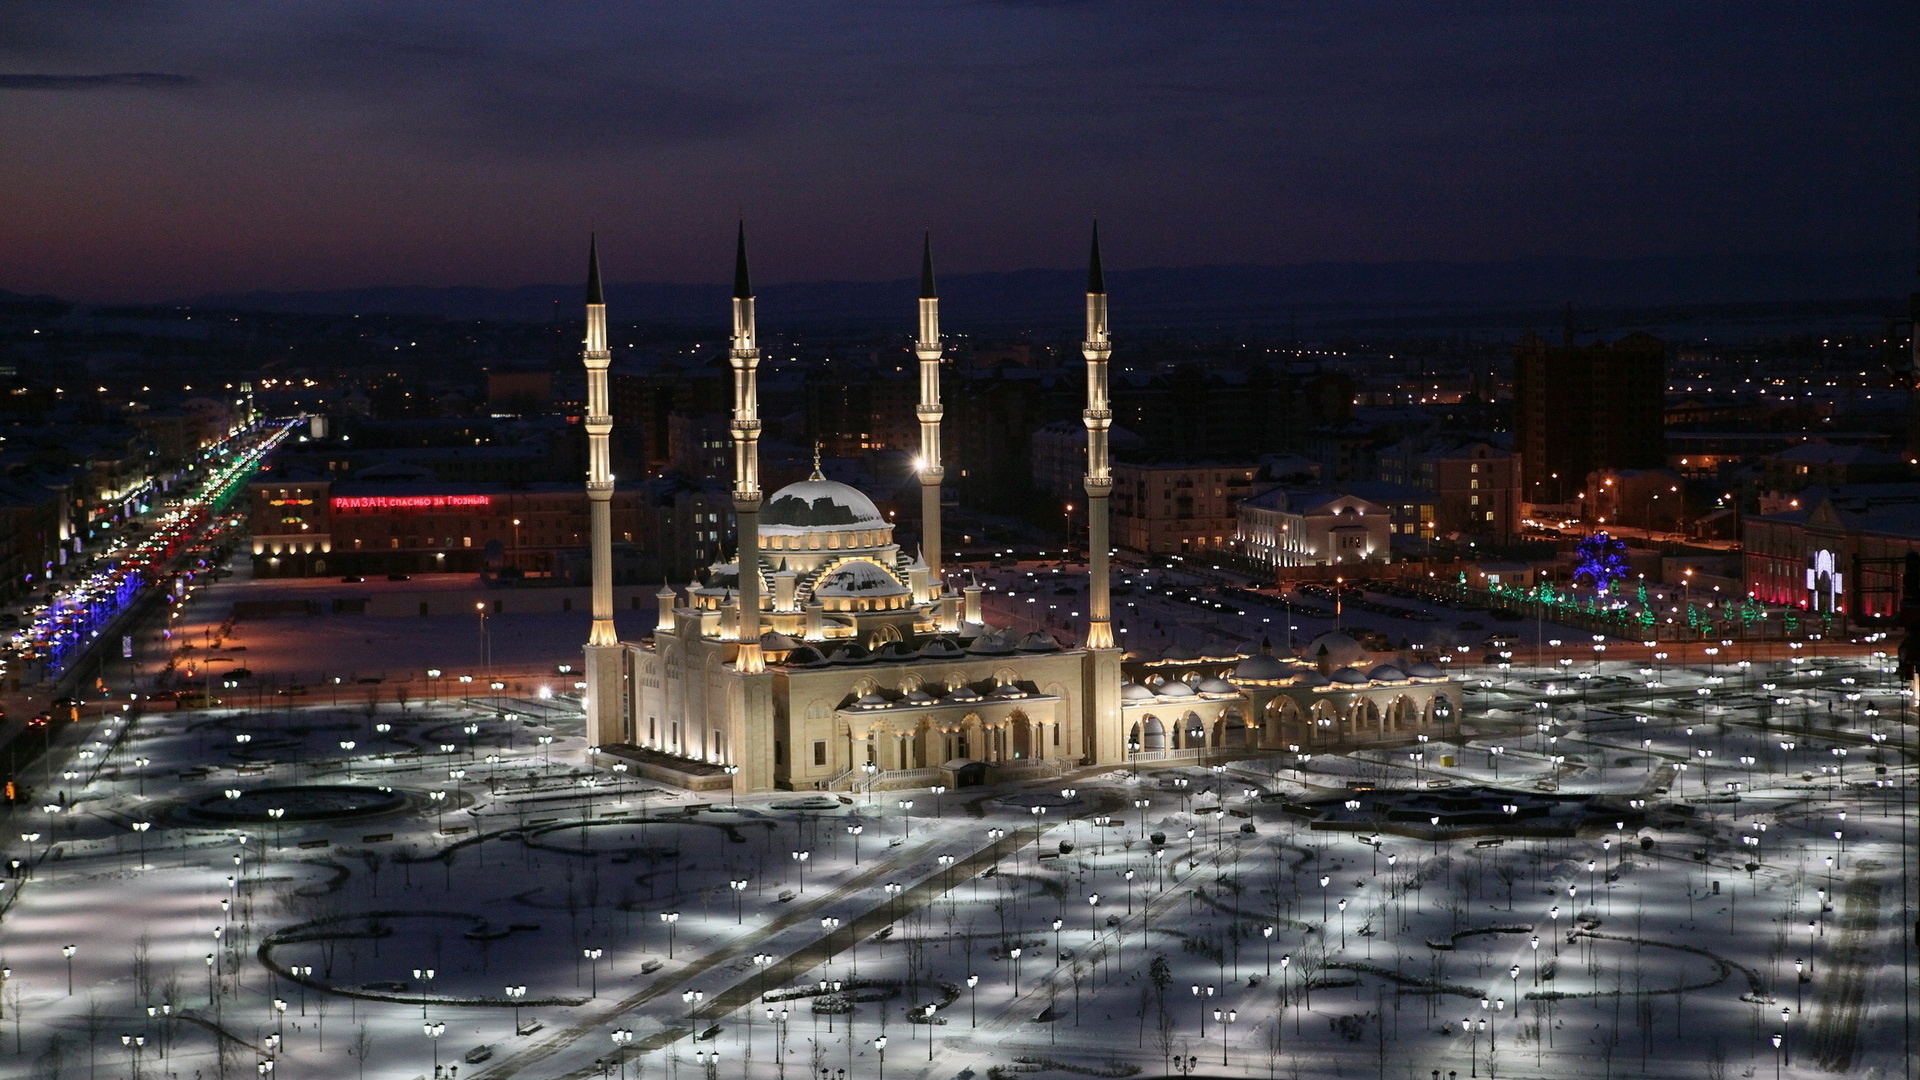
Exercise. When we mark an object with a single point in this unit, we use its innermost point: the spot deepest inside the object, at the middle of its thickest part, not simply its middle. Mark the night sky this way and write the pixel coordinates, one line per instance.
(160, 148)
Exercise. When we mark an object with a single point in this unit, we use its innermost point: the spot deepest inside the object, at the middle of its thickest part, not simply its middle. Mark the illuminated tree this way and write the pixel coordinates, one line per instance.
(1600, 560)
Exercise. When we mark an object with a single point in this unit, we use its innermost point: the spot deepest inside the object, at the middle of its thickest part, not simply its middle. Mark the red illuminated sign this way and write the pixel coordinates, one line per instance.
(410, 502)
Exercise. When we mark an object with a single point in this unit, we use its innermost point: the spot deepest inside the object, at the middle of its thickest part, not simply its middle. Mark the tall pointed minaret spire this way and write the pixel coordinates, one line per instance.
(594, 293)
(744, 356)
(605, 685)
(1096, 278)
(742, 281)
(1099, 480)
(928, 349)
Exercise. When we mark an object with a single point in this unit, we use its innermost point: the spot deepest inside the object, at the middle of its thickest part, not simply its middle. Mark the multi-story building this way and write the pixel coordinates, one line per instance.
(1178, 507)
(1315, 527)
(1060, 457)
(1476, 488)
(853, 412)
(1842, 550)
(1581, 408)
(1822, 464)
(669, 528)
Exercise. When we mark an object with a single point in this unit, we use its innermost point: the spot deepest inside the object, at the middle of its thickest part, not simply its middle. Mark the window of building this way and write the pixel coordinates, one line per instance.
(1475, 500)
(820, 752)
(1473, 485)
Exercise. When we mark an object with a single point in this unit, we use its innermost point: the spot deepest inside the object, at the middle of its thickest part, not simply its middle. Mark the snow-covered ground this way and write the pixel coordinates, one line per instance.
(492, 854)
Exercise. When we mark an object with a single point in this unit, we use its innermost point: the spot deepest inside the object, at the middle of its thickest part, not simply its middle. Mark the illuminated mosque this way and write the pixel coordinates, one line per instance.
(827, 658)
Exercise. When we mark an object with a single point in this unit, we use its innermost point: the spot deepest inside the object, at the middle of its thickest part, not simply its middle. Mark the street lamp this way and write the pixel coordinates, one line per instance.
(973, 1003)
(1223, 1019)
(672, 919)
(515, 994)
(800, 858)
(1200, 995)
(854, 831)
(68, 951)
(433, 1031)
(621, 1038)
(592, 957)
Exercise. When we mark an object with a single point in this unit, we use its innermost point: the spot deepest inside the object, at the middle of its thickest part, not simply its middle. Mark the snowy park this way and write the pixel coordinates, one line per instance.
(1620, 877)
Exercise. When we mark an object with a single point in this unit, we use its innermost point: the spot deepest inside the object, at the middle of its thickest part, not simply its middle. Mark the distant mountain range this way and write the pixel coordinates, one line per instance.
(1313, 297)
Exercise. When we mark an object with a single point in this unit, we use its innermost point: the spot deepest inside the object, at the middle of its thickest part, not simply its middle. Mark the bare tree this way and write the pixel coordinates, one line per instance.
(142, 969)
(1509, 875)
(1270, 1046)
(361, 1047)
(94, 1021)
(1163, 1036)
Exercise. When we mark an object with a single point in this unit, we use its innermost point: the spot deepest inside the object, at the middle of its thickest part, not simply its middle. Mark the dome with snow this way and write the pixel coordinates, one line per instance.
(1262, 668)
(819, 505)
(1337, 650)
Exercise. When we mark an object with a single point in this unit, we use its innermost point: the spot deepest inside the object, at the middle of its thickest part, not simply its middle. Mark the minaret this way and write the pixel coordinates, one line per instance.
(745, 357)
(927, 348)
(602, 660)
(1099, 481)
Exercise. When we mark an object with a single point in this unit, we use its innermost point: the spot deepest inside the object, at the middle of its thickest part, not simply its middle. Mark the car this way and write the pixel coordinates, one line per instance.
(353, 579)
(1469, 624)
(399, 577)
(40, 720)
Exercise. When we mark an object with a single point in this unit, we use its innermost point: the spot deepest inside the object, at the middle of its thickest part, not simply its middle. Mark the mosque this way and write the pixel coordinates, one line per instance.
(827, 658)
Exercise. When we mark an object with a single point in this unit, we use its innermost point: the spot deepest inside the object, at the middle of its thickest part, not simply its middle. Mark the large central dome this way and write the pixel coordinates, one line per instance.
(820, 504)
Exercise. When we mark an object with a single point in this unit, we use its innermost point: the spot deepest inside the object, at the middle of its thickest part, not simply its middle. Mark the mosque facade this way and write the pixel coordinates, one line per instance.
(826, 657)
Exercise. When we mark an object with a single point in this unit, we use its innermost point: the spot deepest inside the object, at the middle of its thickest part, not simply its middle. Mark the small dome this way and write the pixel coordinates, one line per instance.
(851, 653)
(1310, 677)
(1262, 668)
(1387, 673)
(941, 648)
(1038, 641)
(1173, 688)
(804, 656)
(1133, 691)
(1424, 671)
(1179, 653)
(919, 697)
(1007, 690)
(871, 701)
(990, 645)
(964, 693)
(774, 639)
(1215, 685)
(894, 650)
(1339, 649)
(858, 577)
(1348, 676)
(820, 506)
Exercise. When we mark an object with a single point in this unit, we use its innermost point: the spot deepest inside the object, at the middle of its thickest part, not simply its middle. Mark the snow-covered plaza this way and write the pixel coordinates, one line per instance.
(1615, 876)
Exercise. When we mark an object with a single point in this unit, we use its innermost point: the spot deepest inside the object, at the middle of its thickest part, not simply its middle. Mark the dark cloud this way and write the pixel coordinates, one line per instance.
(119, 80)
